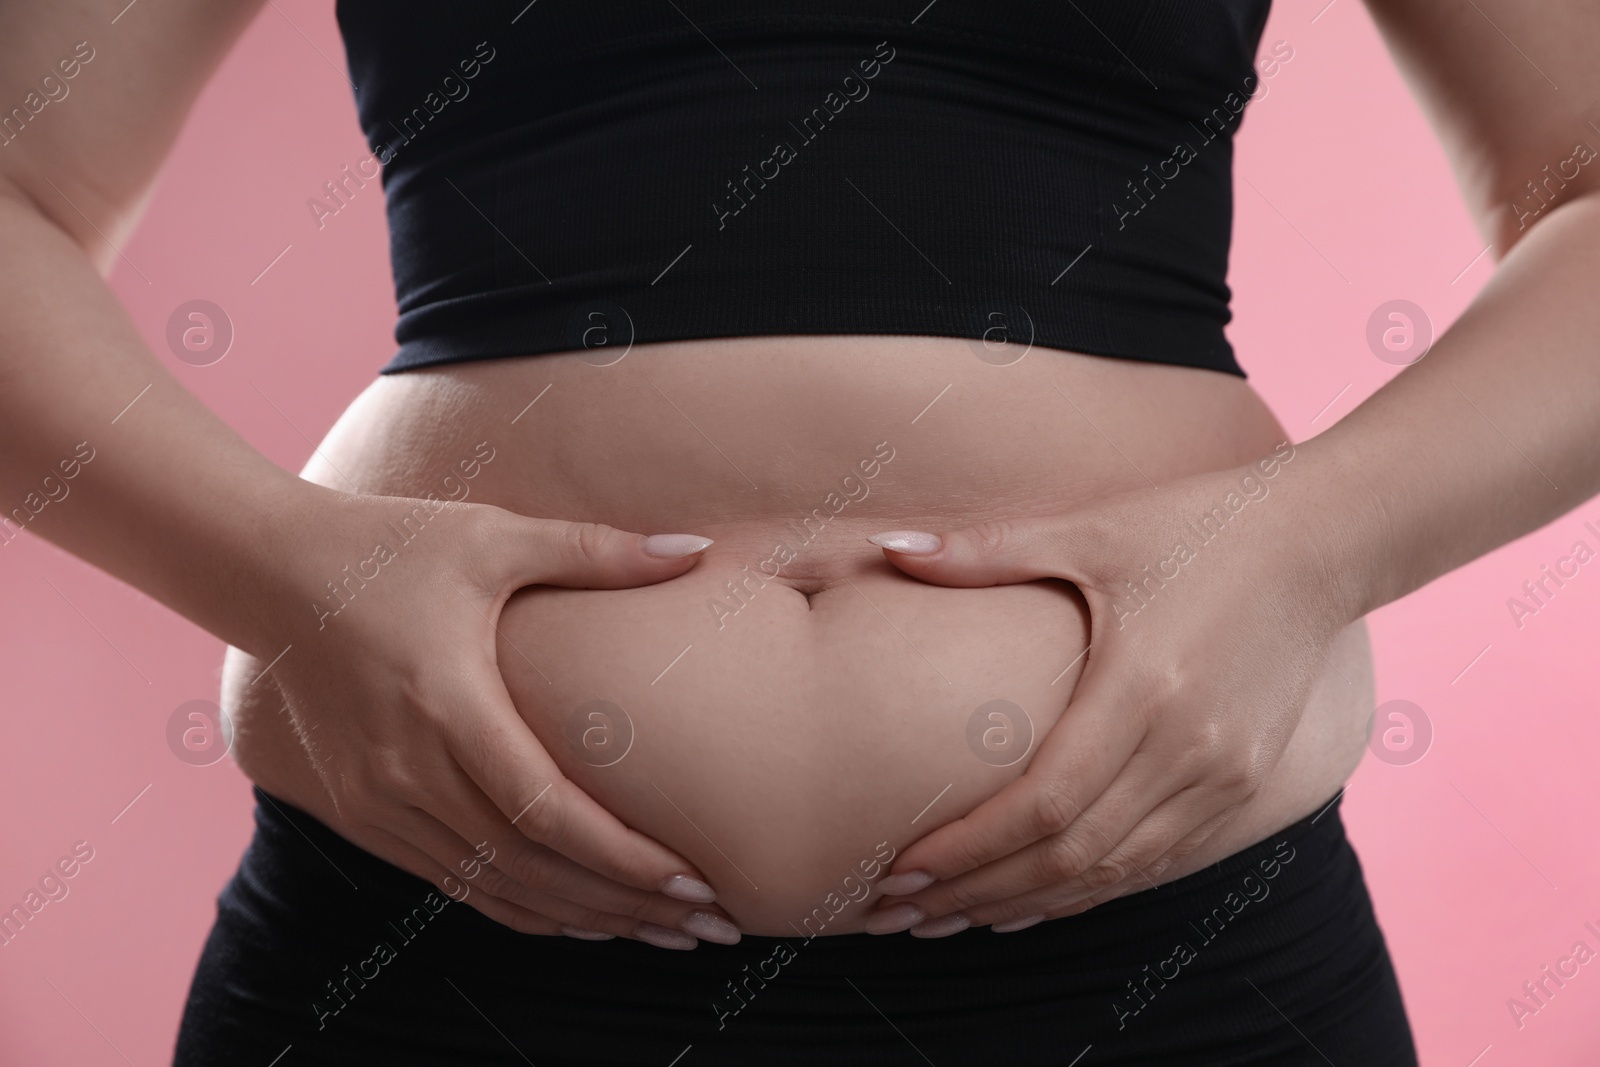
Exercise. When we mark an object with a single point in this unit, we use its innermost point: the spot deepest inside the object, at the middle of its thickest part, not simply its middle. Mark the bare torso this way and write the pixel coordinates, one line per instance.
(792, 703)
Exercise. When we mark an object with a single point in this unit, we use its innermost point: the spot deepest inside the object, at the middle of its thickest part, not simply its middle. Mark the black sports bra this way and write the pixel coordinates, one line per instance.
(568, 174)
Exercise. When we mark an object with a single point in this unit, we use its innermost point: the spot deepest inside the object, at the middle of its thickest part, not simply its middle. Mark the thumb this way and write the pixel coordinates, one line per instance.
(590, 555)
(1000, 552)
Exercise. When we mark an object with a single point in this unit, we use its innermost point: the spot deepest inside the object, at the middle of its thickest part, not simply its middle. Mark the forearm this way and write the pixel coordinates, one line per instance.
(172, 500)
(1493, 434)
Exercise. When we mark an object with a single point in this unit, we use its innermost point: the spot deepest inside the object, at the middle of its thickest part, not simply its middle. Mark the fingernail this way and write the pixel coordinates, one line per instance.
(682, 887)
(711, 927)
(1017, 924)
(898, 885)
(950, 924)
(909, 542)
(661, 937)
(895, 919)
(675, 546)
(586, 935)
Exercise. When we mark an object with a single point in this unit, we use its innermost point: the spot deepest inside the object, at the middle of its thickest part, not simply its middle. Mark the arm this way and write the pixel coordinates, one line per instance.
(411, 730)
(1180, 714)
(1493, 433)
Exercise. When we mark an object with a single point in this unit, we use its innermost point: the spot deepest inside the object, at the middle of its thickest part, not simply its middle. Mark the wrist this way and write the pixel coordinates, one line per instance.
(1340, 533)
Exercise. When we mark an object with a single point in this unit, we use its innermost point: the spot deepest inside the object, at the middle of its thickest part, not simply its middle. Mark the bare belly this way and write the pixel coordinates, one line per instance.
(793, 710)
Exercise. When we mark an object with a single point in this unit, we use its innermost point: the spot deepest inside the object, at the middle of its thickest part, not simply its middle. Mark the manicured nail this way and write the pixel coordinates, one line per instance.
(661, 937)
(950, 924)
(1014, 925)
(898, 885)
(895, 919)
(908, 542)
(675, 546)
(711, 927)
(586, 935)
(682, 887)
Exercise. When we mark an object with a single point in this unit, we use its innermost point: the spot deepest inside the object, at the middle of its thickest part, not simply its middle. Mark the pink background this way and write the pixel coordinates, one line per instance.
(1479, 856)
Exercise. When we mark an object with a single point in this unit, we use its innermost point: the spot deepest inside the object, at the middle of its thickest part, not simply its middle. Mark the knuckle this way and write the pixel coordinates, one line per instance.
(1067, 857)
(994, 537)
(496, 883)
(545, 821)
(958, 897)
(530, 866)
(1109, 871)
(588, 541)
(1053, 809)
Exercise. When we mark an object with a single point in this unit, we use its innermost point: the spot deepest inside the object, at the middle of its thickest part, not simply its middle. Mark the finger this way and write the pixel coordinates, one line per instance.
(1081, 859)
(999, 552)
(682, 924)
(1078, 760)
(530, 874)
(587, 555)
(505, 760)
(1133, 865)
(414, 860)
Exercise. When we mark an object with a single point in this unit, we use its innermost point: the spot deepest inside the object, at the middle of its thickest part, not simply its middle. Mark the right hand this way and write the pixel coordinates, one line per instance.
(416, 752)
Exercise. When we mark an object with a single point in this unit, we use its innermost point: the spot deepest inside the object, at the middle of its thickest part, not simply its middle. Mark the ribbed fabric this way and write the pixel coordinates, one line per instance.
(1269, 957)
(706, 168)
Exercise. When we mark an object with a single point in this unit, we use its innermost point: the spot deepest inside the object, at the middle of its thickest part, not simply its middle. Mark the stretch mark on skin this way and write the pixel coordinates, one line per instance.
(271, 665)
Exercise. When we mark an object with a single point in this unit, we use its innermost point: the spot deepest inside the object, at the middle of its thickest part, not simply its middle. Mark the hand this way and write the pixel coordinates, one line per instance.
(391, 685)
(1202, 656)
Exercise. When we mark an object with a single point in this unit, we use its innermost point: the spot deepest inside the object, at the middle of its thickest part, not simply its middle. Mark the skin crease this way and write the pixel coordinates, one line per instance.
(787, 743)
(422, 753)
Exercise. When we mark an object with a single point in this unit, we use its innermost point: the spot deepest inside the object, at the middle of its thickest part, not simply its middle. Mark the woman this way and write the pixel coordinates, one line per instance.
(945, 359)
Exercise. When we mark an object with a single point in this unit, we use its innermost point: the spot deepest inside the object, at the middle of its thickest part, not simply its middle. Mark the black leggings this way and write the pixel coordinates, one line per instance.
(324, 954)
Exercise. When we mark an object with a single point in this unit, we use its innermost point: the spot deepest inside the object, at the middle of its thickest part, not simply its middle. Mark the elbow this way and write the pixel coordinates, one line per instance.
(65, 216)
(1527, 200)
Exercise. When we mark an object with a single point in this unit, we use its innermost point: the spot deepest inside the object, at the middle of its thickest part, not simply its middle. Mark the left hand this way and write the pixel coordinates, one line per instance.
(1190, 692)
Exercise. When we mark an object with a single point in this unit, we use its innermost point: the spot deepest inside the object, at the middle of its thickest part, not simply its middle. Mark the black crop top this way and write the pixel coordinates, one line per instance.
(565, 174)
